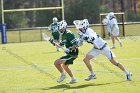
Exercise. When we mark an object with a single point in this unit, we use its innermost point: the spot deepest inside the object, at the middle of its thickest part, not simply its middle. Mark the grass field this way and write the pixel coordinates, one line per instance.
(19, 74)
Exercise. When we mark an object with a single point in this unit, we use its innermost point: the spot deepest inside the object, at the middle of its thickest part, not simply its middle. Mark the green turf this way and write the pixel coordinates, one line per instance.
(18, 74)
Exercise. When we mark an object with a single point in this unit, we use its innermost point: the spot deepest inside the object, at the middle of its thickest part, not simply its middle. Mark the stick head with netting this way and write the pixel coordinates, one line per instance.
(76, 23)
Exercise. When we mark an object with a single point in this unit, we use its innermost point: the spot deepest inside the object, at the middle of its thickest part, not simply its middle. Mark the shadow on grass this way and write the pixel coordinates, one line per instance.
(68, 86)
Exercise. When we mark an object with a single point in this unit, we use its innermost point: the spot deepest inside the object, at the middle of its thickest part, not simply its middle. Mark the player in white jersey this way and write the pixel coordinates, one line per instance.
(105, 21)
(113, 28)
(100, 47)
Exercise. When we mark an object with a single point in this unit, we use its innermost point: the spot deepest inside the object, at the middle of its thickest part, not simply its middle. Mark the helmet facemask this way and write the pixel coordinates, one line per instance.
(62, 26)
(81, 25)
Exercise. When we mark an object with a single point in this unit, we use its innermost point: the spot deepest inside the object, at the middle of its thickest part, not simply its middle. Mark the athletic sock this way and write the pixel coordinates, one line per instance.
(92, 72)
(63, 73)
(113, 45)
(73, 78)
(126, 72)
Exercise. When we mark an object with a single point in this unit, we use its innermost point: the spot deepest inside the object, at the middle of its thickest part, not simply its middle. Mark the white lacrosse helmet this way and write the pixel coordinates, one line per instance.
(83, 24)
(55, 19)
(110, 15)
(62, 26)
(87, 23)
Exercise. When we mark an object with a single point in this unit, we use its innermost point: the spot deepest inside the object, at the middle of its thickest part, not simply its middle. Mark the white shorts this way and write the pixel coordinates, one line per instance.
(105, 51)
(115, 32)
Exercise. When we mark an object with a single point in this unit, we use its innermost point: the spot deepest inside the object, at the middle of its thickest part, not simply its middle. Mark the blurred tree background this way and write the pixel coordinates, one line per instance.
(74, 9)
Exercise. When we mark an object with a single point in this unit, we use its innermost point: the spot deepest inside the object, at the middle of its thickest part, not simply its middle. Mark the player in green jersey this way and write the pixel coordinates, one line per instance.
(55, 33)
(70, 42)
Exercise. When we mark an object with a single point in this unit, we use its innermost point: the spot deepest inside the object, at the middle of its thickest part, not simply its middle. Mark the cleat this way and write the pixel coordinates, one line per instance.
(62, 77)
(73, 81)
(113, 47)
(90, 77)
(129, 76)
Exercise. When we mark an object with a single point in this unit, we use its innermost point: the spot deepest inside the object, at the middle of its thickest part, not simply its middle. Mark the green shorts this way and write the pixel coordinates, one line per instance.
(56, 35)
(69, 59)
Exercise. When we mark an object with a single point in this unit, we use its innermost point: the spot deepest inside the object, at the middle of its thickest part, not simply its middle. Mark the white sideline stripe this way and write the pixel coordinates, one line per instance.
(49, 69)
(23, 67)
(45, 69)
(101, 71)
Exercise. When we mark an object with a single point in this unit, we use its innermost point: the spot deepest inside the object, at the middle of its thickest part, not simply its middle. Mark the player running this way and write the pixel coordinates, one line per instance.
(113, 29)
(55, 33)
(70, 42)
(100, 47)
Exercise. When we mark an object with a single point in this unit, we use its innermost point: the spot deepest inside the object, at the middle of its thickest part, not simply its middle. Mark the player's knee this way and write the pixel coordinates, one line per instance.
(56, 62)
(114, 62)
(85, 60)
(117, 64)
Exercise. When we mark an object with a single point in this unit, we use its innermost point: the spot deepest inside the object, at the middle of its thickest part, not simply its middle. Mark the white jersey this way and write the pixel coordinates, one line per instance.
(100, 46)
(98, 42)
(112, 22)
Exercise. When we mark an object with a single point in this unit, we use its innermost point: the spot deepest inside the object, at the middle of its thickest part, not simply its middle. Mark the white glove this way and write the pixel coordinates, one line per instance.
(81, 35)
(67, 50)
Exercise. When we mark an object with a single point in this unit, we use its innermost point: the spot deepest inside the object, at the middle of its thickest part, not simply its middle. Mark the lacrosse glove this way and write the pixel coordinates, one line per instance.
(68, 50)
(52, 41)
(83, 36)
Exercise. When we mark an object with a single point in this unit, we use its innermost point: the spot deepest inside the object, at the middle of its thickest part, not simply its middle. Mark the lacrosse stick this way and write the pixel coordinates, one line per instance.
(47, 38)
(76, 23)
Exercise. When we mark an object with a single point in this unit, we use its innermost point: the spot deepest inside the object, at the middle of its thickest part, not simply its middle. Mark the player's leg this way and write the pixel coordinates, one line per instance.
(119, 65)
(110, 55)
(118, 39)
(114, 62)
(58, 64)
(92, 53)
(69, 71)
(69, 61)
(116, 34)
(113, 41)
(87, 62)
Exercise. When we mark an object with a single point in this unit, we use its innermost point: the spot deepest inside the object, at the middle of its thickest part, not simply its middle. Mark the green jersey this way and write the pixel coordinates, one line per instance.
(68, 39)
(54, 27)
(55, 32)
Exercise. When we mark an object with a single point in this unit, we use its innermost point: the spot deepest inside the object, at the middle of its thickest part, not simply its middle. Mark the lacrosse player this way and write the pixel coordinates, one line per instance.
(70, 42)
(100, 47)
(105, 21)
(113, 29)
(55, 33)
